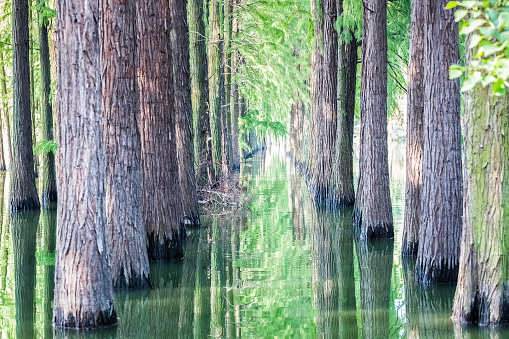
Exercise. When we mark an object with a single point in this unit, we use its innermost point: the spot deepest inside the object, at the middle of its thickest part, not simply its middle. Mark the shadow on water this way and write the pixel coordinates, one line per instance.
(282, 270)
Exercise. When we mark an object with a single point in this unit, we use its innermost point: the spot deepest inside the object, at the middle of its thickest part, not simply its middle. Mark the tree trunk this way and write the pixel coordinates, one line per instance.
(24, 229)
(215, 51)
(162, 210)
(33, 103)
(375, 272)
(442, 188)
(127, 238)
(482, 294)
(184, 111)
(6, 129)
(226, 120)
(234, 113)
(83, 289)
(414, 141)
(373, 208)
(205, 173)
(2, 154)
(49, 183)
(347, 87)
(24, 192)
(326, 114)
(49, 236)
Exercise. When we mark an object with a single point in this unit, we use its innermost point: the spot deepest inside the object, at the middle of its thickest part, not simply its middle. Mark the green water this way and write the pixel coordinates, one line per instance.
(282, 270)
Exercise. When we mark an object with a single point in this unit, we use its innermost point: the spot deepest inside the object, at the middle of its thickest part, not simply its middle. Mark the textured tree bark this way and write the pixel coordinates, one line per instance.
(215, 51)
(48, 185)
(24, 192)
(127, 237)
(415, 133)
(347, 84)
(482, 294)
(183, 111)
(226, 122)
(83, 289)
(24, 229)
(326, 114)
(234, 113)
(162, 210)
(2, 155)
(442, 188)
(234, 100)
(375, 271)
(205, 172)
(6, 129)
(373, 208)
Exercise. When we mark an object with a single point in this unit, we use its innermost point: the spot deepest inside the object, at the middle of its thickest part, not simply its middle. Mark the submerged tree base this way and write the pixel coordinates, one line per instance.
(24, 204)
(409, 249)
(135, 281)
(87, 320)
(436, 272)
(47, 197)
(166, 248)
(372, 230)
(326, 201)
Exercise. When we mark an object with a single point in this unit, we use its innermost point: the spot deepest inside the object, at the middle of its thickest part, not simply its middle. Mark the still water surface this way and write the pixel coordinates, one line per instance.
(283, 270)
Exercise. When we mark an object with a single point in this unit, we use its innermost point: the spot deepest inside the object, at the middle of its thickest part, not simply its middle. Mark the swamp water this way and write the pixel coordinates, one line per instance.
(282, 270)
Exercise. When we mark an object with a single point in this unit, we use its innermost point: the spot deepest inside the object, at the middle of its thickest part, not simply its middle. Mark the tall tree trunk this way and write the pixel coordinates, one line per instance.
(482, 294)
(83, 289)
(373, 208)
(24, 192)
(33, 103)
(442, 188)
(325, 117)
(2, 154)
(347, 86)
(205, 173)
(49, 183)
(127, 237)
(162, 210)
(415, 133)
(215, 51)
(226, 120)
(24, 229)
(184, 111)
(6, 129)
(234, 98)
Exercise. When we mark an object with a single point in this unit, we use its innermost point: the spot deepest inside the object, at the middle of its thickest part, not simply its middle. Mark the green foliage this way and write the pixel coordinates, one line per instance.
(46, 13)
(43, 147)
(487, 24)
(273, 42)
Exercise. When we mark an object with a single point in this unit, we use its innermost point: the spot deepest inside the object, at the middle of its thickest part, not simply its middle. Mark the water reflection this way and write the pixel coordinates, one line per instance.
(281, 270)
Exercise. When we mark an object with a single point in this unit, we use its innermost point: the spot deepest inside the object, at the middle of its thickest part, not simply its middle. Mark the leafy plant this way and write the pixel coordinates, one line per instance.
(487, 25)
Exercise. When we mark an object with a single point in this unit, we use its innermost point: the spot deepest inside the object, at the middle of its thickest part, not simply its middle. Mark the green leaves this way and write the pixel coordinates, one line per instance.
(487, 24)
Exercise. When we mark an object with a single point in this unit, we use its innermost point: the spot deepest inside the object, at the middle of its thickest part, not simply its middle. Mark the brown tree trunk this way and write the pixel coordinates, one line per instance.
(24, 192)
(127, 238)
(183, 111)
(234, 112)
(373, 208)
(205, 173)
(347, 87)
(442, 188)
(326, 114)
(226, 122)
(49, 183)
(414, 141)
(162, 210)
(83, 289)
(482, 293)
(215, 75)
(6, 129)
